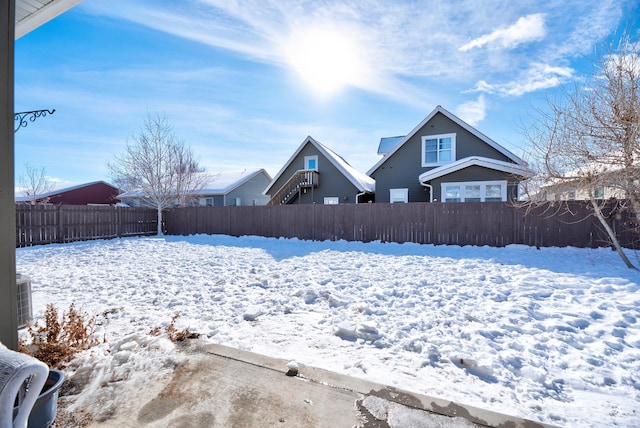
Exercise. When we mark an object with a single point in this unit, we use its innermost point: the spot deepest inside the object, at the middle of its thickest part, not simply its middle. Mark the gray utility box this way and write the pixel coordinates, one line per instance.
(24, 300)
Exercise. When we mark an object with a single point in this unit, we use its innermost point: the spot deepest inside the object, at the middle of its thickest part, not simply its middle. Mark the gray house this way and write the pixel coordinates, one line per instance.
(239, 188)
(242, 187)
(445, 159)
(316, 175)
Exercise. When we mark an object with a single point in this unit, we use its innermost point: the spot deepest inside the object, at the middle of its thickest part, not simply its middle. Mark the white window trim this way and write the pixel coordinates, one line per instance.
(203, 201)
(404, 192)
(306, 162)
(331, 200)
(483, 189)
(438, 136)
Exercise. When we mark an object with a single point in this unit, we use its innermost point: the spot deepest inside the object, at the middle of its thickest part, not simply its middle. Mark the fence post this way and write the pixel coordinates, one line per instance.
(118, 221)
(60, 225)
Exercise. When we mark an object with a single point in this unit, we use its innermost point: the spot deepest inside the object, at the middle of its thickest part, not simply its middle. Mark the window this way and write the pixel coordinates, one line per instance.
(438, 149)
(311, 162)
(331, 200)
(475, 191)
(493, 193)
(472, 193)
(206, 202)
(453, 193)
(398, 196)
(598, 193)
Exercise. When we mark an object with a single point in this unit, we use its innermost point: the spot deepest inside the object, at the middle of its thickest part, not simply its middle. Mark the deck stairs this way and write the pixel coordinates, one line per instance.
(301, 179)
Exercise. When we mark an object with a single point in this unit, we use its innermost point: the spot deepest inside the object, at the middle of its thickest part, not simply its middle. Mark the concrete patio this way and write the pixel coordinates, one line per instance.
(220, 386)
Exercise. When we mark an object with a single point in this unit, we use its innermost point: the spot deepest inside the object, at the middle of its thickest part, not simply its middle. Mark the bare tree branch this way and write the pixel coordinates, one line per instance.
(587, 142)
(159, 167)
(34, 183)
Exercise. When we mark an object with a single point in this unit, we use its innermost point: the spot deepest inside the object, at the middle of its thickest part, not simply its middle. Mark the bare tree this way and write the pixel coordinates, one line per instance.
(191, 177)
(589, 137)
(159, 166)
(33, 183)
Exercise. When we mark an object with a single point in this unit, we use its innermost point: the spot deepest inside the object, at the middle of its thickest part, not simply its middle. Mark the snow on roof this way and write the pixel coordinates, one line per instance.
(458, 121)
(59, 187)
(605, 170)
(220, 183)
(361, 181)
(224, 182)
(388, 143)
(498, 165)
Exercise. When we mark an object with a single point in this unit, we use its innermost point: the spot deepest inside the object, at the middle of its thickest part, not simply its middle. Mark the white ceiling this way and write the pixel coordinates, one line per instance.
(30, 14)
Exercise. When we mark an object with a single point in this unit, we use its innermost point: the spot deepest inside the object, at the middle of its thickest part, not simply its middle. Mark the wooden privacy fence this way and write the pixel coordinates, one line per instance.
(49, 224)
(494, 224)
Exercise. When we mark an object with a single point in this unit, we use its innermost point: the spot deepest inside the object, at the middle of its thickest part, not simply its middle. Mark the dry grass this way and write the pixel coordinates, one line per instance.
(59, 339)
(173, 333)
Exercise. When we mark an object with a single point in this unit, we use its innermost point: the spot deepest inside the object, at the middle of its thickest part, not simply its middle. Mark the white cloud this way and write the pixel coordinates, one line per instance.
(537, 77)
(526, 29)
(628, 63)
(473, 112)
(407, 50)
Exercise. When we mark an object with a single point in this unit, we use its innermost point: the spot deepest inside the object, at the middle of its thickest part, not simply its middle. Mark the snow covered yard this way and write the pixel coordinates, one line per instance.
(551, 335)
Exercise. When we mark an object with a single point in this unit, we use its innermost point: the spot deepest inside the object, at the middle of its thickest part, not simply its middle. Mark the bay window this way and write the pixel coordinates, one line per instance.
(475, 191)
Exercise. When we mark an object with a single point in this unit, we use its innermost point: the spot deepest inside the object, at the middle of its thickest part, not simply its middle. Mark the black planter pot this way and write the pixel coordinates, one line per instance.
(46, 406)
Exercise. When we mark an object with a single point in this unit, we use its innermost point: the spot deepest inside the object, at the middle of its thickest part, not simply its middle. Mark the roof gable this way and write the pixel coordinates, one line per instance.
(225, 182)
(459, 122)
(515, 169)
(361, 181)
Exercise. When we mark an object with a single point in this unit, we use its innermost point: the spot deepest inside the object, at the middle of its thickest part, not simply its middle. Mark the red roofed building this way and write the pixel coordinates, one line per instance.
(96, 192)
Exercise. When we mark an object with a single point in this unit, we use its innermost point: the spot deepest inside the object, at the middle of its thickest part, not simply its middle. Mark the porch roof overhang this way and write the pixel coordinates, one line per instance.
(30, 14)
(507, 167)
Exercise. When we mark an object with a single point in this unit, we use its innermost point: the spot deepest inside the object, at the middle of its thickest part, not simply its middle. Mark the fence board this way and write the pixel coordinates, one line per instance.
(493, 224)
(50, 224)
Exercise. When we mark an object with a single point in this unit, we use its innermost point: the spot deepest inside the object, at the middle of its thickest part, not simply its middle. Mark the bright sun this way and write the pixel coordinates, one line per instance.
(326, 59)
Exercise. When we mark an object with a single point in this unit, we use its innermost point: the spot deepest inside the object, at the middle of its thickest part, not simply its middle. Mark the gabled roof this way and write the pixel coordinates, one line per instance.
(227, 181)
(58, 189)
(220, 183)
(458, 121)
(361, 181)
(388, 143)
(498, 165)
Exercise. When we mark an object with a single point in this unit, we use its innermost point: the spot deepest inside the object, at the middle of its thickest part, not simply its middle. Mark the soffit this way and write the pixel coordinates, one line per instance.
(30, 14)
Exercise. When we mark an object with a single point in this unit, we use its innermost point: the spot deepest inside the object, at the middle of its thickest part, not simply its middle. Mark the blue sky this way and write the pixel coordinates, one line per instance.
(244, 82)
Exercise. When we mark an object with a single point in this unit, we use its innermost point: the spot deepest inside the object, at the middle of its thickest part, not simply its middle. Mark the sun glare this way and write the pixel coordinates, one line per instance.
(326, 59)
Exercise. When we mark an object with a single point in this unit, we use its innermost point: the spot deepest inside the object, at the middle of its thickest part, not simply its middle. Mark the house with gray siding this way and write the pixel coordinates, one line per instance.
(445, 159)
(314, 174)
(239, 188)
(236, 188)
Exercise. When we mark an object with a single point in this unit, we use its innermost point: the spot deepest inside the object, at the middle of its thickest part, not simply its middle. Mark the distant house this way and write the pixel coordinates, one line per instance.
(96, 192)
(445, 159)
(239, 188)
(314, 174)
(388, 143)
(609, 185)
